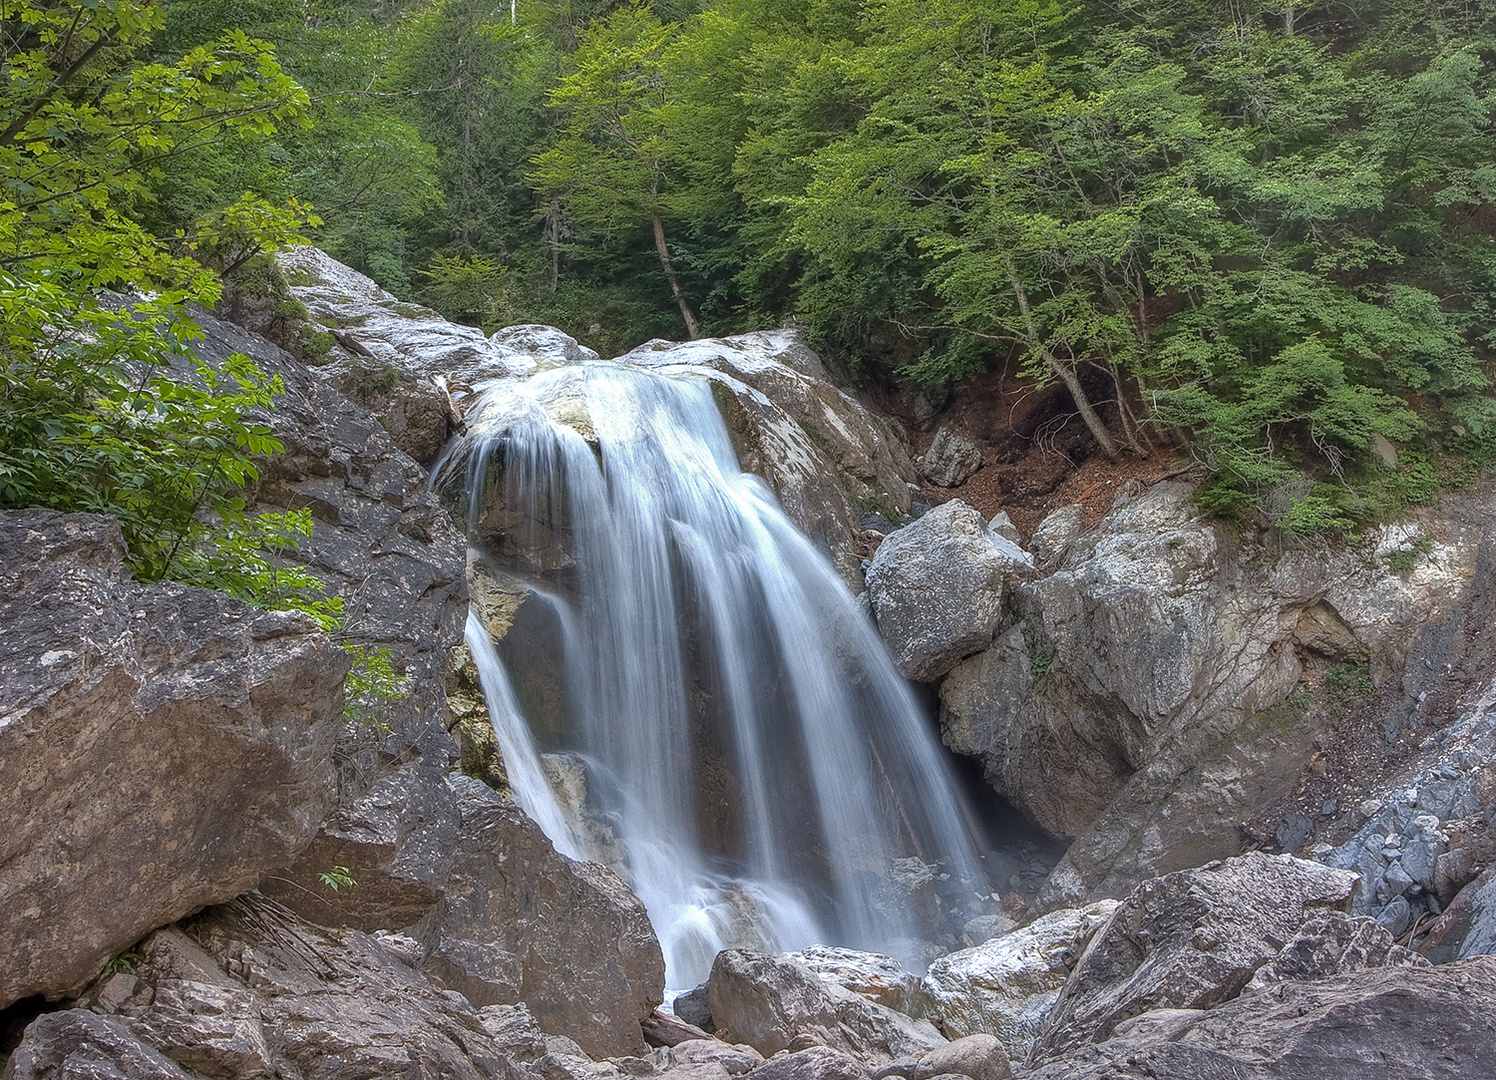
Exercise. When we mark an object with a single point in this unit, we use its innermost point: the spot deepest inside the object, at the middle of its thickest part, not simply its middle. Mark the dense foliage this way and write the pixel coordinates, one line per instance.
(1261, 235)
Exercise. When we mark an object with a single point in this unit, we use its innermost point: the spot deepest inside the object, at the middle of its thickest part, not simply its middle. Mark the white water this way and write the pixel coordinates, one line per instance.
(687, 576)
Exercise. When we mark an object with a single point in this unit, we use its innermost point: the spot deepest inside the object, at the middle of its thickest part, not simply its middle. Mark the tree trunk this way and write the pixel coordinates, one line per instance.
(1066, 372)
(680, 297)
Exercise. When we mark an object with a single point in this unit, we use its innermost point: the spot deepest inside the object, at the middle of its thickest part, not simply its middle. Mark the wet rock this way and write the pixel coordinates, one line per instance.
(161, 747)
(951, 459)
(1434, 1023)
(1005, 987)
(936, 588)
(1190, 939)
(522, 923)
(770, 1003)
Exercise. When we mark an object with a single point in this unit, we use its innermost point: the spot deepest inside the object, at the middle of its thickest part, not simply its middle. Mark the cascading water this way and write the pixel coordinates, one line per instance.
(762, 759)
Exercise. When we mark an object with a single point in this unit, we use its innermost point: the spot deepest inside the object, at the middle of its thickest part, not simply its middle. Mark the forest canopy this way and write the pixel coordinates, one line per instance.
(1260, 235)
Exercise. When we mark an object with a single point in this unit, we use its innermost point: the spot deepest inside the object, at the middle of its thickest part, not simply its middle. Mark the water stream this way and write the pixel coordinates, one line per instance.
(762, 761)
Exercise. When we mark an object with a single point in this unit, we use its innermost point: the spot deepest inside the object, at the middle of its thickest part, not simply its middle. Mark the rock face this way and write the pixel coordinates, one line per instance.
(254, 993)
(951, 459)
(1005, 987)
(1432, 1023)
(161, 748)
(1127, 700)
(522, 923)
(936, 588)
(880, 979)
(1191, 939)
(770, 1003)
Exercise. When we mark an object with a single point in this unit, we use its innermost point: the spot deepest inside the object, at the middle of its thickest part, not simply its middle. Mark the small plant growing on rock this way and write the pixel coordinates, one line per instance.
(338, 877)
(1404, 560)
(373, 684)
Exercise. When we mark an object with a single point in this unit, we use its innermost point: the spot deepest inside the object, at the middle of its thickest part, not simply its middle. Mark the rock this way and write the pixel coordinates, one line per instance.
(161, 747)
(737, 1060)
(951, 459)
(878, 978)
(1059, 529)
(383, 543)
(77, 1043)
(1003, 525)
(1190, 939)
(544, 343)
(1467, 926)
(255, 993)
(936, 589)
(814, 1063)
(1333, 943)
(694, 1008)
(1006, 986)
(1433, 1023)
(406, 336)
(980, 1057)
(770, 1003)
(663, 1029)
(522, 923)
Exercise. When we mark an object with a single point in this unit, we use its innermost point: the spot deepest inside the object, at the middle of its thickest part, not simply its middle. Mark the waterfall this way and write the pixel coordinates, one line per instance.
(765, 765)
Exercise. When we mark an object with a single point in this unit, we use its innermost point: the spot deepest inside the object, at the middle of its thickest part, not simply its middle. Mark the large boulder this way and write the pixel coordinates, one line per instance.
(1005, 987)
(936, 588)
(774, 1003)
(1431, 1023)
(162, 748)
(1193, 939)
(522, 923)
(252, 993)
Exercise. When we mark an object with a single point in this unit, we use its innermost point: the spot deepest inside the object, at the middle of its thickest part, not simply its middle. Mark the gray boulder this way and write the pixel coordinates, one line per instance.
(951, 459)
(936, 589)
(1005, 987)
(1191, 939)
(522, 923)
(770, 1003)
(1430, 1023)
(881, 979)
(162, 748)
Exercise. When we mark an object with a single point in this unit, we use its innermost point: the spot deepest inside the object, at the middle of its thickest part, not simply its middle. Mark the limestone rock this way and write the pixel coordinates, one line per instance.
(1003, 525)
(162, 748)
(936, 589)
(77, 1043)
(951, 459)
(1191, 939)
(1006, 986)
(770, 1003)
(1433, 1023)
(522, 923)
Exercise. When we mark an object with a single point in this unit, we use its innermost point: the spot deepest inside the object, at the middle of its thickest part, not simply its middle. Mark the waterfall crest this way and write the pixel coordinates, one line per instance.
(765, 765)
